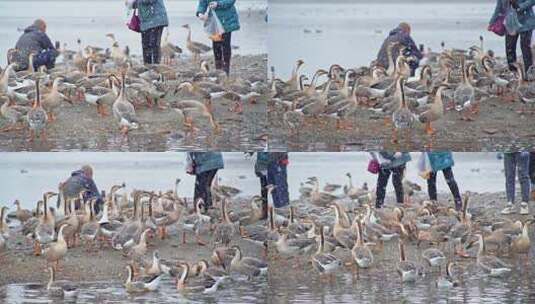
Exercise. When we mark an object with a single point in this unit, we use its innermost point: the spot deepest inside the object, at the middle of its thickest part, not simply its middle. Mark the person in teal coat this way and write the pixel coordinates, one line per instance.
(526, 17)
(226, 12)
(442, 161)
(204, 165)
(153, 18)
(391, 163)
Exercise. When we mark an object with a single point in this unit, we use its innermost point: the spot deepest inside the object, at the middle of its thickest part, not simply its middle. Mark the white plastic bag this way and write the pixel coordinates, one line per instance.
(213, 26)
(512, 24)
(424, 166)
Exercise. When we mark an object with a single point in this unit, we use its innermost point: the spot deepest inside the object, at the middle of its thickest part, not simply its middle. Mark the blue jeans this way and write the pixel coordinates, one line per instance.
(513, 161)
(277, 175)
(46, 58)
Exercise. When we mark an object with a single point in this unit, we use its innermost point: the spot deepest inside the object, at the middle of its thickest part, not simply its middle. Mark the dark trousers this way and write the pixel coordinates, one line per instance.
(382, 181)
(223, 52)
(450, 180)
(278, 176)
(263, 190)
(525, 46)
(46, 58)
(150, 41)
(203, 183)
(532, 169)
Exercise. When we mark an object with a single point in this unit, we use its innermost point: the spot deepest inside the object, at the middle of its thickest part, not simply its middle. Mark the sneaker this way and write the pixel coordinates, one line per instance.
(510, 209)
(524, 209)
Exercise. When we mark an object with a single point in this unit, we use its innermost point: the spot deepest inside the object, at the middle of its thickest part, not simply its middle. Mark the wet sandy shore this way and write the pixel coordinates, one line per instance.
(498, 126)
(78, 127)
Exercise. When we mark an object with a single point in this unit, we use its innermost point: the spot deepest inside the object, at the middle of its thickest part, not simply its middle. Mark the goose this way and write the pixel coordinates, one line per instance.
(521, 244)
(60, 289)
(402, 118)
(4, 228)
(435, 111)
(192, 109)
(71, 218)
(52, 100)
(196, 48)
(4, 79)
(156, 267)
(406, 269)
(293, 82)
(16, 115)
(248, 266)
(434, 257)
(490, 264)
(140, 285)
(169, 50)
(202, 284)
(44, 231)
(361, 253)
(322, 262)
(212, 272)
(194, 222)
(168, 219)
(293, 247)
(37, 116)
(123, 110)
(56, 250)
(100, 96)
(317, 105)
(116, 54)
(224, 231)
(345, 236)
(131, 229)
(22, 214)
(447, 281)
(91, 229)
(464, 94)
(524, 89)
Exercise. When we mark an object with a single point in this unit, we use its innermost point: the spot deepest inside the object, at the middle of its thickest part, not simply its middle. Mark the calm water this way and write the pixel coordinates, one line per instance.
(92, 20)
(351, 33)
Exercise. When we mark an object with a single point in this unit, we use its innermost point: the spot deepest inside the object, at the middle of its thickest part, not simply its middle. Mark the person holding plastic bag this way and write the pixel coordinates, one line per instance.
(225, 12)
(519, 20)
(442, 161)
(390, 163)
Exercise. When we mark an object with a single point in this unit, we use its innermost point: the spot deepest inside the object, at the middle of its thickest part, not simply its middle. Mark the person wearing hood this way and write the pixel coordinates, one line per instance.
(82, 180)
(34, 41)
(402, 35)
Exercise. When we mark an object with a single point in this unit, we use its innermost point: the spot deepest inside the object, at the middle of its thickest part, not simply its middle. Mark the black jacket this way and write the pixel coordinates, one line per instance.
(34, 41)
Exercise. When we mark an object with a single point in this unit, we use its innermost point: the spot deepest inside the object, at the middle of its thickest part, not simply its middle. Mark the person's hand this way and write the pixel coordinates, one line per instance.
(213, 5)
(489, 27)
(398, 154)
(203, 17)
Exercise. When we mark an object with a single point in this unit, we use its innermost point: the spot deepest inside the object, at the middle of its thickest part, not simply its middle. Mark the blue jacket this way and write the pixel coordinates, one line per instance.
(206, 161)
(152, 13)
(394, 162)
(225, 11)
(32, 41)
(525, 13)
(78, 182)
(262, 162)
(397, 35)
(440, 160)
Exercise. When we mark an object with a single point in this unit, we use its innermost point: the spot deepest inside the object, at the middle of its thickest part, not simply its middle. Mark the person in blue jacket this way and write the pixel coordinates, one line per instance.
(226, 11)
(153, 18)
(277, 175)
(34, 41)
(82, 180)
(402, 35)
(204, 165)
(391, 163)
(443, 161)
(526, 17)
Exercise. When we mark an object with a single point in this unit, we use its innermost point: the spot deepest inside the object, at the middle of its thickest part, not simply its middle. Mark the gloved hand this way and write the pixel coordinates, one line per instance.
(213, 5)
(398, 154)
(203, 17)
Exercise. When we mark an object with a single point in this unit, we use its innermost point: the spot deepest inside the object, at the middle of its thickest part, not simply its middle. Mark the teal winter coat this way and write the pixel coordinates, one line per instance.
(206, 161)
(440, 160)
(225, 11)
(152, 13)
(262, 162)
(525, 13)
(394, 161)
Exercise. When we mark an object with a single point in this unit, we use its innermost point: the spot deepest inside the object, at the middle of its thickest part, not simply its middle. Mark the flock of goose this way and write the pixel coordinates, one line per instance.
(324, 228)
(112, 79)
(453, 79)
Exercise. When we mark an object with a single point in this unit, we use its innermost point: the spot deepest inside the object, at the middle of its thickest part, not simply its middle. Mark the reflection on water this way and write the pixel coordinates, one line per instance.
(233, 291)
(350, 34)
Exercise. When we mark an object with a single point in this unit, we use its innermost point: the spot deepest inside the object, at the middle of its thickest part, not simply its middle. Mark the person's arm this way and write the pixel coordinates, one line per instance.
(224, 4)
(497, 12)
(45, 42)
(413, 48)
(202, 7)
(92, 188)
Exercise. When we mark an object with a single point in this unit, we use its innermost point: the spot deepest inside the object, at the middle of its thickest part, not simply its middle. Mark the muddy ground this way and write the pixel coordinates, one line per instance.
(498, 126)
(19, 265)
(78, 127)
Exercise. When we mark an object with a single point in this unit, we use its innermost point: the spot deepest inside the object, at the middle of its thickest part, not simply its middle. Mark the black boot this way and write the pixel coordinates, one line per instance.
(218, 64)
(226, 68)
(264, 211)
